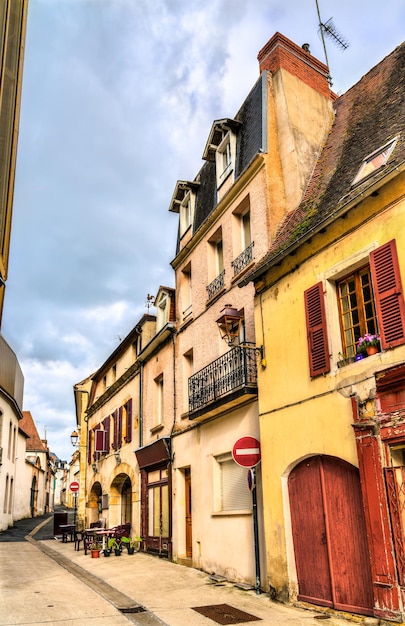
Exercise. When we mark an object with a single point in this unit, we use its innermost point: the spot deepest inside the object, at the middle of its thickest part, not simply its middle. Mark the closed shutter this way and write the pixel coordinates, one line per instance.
(388, 295)
(106, 424)
(119, 443)
(235, 491)
(319, 362)
(89, 447)
(100, 440)
(115, 435)
(129, 421)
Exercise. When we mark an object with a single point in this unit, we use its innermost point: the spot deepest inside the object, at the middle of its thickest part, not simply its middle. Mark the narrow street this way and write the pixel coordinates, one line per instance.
(43, 581)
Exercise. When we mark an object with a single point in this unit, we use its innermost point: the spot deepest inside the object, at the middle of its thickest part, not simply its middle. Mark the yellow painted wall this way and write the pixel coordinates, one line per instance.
(300, 417)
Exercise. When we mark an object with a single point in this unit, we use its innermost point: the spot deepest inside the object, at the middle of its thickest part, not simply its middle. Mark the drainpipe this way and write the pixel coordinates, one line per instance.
(141, 405)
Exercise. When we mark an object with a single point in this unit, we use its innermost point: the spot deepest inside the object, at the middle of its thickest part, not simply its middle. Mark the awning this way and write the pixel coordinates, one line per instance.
(154, 453)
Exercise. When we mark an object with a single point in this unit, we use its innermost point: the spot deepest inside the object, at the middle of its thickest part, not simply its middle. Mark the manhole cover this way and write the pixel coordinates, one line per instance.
(225, 614)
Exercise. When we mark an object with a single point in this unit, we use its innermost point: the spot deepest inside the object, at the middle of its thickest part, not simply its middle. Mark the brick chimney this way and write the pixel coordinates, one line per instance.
(281, 53)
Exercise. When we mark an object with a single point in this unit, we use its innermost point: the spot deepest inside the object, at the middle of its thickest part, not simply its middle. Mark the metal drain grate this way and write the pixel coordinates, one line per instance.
(132, 609)
(225, 614)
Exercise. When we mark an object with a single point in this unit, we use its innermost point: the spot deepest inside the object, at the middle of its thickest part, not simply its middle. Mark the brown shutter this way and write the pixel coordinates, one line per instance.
(115, 435)
(129, 420)
(99, 441)
(89, 446)
(119, 442)
(106, 424)
(319, 362)
(388, 294)
(96, 454)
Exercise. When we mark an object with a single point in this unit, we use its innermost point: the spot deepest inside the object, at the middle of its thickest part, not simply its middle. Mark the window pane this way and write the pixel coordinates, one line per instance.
(165, 511)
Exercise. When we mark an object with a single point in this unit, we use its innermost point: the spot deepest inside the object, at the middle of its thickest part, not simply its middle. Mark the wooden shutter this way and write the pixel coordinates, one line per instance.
(115, 435)
(89, 446)
(96, 454)
(319, 362)
(119, 427)
(129, 420)
(106, 424)
(99, 440)
(388, 294)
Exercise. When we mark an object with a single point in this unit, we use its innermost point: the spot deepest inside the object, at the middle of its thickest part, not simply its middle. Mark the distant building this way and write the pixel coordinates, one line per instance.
(38, 460)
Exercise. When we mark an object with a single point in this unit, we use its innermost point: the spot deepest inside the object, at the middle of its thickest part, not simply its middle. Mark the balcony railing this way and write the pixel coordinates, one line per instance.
(243, 260)
(216, 286)
(230, 376)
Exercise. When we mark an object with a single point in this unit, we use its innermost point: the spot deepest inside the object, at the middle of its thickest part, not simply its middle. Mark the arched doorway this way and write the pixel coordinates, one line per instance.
(94, 503)
(33, 496)
(121, 500)
(329, 535)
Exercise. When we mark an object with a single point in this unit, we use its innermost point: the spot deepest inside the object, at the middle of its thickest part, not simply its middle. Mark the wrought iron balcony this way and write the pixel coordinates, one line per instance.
(229, 380)
(243, 260)
(216, 286)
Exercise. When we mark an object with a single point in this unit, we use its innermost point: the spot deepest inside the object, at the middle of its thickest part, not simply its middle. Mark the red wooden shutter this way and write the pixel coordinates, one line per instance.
(388, 294)
(319, 362)
(89, 446)
(115, 435)
(129, 420)
(106, 424)
(100, 440)
(120, 427)
(96, 454)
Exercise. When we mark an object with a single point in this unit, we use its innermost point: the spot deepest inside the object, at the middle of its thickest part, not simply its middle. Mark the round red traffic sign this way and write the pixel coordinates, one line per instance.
(246, 452)
(74, 486)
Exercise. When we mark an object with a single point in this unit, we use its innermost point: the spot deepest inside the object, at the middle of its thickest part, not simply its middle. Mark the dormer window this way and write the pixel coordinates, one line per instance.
(221, 148)
(162, 307)
(374, 161)
(183, 202)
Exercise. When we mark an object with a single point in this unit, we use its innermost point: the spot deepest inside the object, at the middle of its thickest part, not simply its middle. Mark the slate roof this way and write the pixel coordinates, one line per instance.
(249, 141)
(367, 116)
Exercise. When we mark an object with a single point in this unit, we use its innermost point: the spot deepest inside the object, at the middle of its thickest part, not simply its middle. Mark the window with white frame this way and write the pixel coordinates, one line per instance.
(374, 161)
(231, 488)
(215, 264)
(159, 401)
(186, 212)
(188, 370)
(162, 307)
(186, 294)
(225, 156)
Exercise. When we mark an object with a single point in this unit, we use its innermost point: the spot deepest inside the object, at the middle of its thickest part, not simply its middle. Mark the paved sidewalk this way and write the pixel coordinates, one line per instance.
(161, 592)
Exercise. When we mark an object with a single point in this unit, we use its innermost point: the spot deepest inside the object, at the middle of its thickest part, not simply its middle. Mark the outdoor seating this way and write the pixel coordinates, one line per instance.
(122, 530)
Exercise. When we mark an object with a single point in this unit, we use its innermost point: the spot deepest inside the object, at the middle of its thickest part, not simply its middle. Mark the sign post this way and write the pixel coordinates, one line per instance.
(74, 488)
(246, 453)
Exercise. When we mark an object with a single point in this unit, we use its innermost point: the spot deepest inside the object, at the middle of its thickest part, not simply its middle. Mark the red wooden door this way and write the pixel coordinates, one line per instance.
(331, 553)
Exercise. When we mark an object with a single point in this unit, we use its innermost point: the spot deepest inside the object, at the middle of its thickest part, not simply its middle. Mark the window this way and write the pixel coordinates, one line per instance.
(216, 264)
(242, 238)
(114, 372)
(162, 306)
(188, 370)
(221, 148)
(159, 409)
(356, 309)
(374, 161)
(185, 290)
(186, 213)
(370, 299)
(158, 503)
(232, 489)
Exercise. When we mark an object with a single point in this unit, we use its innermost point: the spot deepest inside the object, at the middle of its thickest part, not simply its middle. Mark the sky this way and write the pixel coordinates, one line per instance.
(118, 100)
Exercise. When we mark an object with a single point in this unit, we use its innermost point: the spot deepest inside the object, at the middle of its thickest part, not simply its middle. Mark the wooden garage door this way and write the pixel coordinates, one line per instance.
(331, 554)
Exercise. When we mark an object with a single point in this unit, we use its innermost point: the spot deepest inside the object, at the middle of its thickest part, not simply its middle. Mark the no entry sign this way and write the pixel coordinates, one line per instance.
(246, 452)
(74, 486)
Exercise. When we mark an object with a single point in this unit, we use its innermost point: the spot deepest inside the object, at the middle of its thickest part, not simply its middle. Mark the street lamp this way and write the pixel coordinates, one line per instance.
(229, 324)
(74, 438)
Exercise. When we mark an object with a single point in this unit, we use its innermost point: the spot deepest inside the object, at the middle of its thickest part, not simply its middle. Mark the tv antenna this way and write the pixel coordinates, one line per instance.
(329, 29)
(150, 301)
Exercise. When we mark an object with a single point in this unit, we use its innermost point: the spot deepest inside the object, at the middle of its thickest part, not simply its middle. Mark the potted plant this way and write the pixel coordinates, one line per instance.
(95, 547)
(369, 344)
(131, 544)
(115, 544)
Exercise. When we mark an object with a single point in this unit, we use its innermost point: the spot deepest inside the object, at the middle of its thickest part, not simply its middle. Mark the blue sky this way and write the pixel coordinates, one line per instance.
(118, 100)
